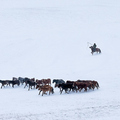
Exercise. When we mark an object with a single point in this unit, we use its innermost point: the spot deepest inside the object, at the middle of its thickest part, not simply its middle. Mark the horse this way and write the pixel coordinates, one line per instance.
(27, 80)
(14, 82)
(45, 88)
(31, 83)
(3, 83)
(21, 80)
(96, 84)
(95, 50)
(39, 82)
(46, 81)
(58, 81)
(66, 87)
(80, 86)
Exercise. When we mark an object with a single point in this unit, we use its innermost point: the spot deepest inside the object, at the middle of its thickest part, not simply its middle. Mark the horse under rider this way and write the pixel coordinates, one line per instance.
(94, 47)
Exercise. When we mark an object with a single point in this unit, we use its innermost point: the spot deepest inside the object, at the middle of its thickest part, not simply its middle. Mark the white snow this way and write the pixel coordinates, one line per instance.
(51, 39)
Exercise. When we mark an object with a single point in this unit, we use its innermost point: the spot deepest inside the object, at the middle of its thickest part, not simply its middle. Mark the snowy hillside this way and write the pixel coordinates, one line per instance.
(51, 39)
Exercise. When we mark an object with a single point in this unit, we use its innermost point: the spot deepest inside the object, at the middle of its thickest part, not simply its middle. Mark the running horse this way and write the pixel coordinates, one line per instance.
(96, 50)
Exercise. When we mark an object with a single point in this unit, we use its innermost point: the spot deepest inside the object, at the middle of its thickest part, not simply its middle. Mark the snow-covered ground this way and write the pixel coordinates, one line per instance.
(51, 39)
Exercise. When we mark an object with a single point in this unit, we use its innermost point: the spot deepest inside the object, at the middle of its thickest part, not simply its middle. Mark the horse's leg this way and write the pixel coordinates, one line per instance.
(43, 93)
(39, 92)
(69, 89)
(80, 89)
(99, 51)
(25, 86)
(22, 82)
(92, 86)
(52, 91)
(61, 91)
(49, 92)
(76, 90)
(66, 91)
(85, 89)
(29, 88)
(96, 86)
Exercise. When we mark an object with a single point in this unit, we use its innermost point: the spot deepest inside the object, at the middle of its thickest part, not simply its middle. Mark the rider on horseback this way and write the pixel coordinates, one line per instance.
(94, 47)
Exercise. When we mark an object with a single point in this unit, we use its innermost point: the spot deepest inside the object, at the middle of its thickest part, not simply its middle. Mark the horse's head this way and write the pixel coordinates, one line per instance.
(37, 86)
(54, 81)
(91, 47)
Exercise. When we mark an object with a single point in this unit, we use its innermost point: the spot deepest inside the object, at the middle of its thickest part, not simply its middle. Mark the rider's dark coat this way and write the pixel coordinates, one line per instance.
(94, 47)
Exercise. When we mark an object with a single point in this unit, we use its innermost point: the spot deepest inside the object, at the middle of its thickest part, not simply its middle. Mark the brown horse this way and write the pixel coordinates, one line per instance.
(46, 81)
(96, 50)
(39, 82)
(45, 88)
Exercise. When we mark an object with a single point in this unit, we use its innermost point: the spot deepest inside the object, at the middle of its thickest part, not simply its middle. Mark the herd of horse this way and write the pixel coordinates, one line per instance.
(44, 85)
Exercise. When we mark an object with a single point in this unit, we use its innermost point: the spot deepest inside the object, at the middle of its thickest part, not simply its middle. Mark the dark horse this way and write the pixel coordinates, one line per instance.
(95, 50)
